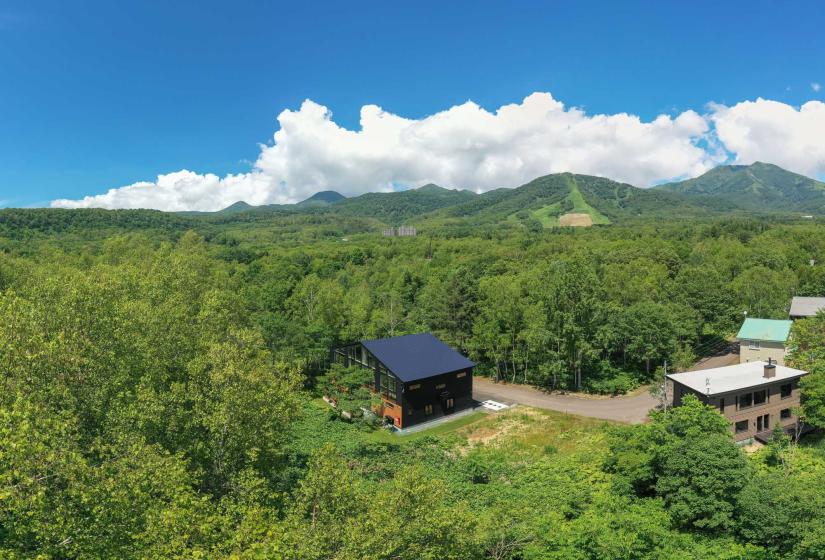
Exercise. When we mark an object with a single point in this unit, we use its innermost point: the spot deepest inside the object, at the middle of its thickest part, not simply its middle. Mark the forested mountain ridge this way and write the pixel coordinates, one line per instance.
(760, 187)
(390, 207)
(542, 201)
(394, 208)
(25, 222)
(534, 206)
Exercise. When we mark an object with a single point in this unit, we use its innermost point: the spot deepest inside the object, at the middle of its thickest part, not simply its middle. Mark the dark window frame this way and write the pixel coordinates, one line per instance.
(738, 426)
(782, 390)
(763, 394)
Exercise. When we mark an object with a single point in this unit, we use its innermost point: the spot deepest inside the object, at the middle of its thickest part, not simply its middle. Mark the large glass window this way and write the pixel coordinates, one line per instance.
(785, 413)
(745, 400)
(389, 384)
(392, 388)
(786, 390)
(760, 397)
(741, 426)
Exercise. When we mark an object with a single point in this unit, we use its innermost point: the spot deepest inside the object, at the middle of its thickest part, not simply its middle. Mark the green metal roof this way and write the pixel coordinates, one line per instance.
(769, 330)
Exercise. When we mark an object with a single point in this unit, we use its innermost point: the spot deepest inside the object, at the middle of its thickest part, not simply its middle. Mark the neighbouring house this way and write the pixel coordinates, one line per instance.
(761, 340)
(418, 377)
(401, 231)
(804, 307)
(754, 396)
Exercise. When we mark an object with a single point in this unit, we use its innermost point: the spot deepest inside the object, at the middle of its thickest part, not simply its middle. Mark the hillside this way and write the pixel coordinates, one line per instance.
(544, 200)
(239, 206)
(761, 187)
(397, 207)
(392, 208)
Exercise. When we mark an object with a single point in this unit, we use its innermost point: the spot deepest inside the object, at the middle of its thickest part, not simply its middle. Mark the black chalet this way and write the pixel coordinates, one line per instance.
(417, 376)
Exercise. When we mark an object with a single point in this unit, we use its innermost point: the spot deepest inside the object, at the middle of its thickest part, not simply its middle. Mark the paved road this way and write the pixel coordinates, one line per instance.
(632, 409)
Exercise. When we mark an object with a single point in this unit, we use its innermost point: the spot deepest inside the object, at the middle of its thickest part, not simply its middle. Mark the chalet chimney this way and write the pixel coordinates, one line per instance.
(770, 369)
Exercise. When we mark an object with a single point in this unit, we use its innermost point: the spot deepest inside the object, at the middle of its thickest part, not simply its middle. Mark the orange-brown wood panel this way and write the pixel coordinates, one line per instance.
(394, 411)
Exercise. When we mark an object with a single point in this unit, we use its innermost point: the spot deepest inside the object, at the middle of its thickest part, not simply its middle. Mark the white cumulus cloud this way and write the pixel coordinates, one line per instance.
(774, 132)
(464, 146)
(467, 146)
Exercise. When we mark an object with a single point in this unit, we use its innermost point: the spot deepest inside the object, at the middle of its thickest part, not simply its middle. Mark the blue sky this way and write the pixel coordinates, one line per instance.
(98, 95)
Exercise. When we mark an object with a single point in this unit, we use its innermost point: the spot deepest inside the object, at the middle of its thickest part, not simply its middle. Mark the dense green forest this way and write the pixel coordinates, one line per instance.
(160, 395)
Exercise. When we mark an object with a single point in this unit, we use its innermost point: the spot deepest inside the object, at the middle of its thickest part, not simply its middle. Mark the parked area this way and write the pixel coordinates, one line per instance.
(632, 409)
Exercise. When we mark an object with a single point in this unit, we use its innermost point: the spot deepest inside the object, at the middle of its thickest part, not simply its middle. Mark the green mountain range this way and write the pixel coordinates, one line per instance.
(760, 187)
(397, 207)
(546, 199)
(550, 201)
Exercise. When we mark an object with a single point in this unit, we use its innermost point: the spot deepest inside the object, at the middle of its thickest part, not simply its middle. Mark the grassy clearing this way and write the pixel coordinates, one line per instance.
(580, 206)
(532, 432)
(548, 215)
(520, 432)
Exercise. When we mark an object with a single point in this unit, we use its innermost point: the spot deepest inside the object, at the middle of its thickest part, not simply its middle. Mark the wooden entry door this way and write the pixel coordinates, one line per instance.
(763, 423)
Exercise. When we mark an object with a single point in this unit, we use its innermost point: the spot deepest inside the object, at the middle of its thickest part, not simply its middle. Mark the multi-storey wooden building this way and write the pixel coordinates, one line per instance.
(418, 377)
(754, 396)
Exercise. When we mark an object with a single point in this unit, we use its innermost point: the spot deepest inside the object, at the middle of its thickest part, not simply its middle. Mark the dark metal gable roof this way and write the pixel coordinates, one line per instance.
(416, 356)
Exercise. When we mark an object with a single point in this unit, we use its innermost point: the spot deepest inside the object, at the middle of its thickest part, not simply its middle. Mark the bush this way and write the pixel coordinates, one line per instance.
(610, 381)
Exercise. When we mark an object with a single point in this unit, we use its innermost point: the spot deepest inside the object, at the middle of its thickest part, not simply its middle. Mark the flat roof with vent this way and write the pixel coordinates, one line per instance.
(719, 380)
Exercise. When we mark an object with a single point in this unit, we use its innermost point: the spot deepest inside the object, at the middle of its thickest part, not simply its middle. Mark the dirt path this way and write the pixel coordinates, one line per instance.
(716, 361)
(631, 409)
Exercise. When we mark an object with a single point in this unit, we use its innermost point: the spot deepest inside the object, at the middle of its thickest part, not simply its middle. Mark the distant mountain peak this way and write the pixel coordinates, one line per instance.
(431, 187)
(760, 186)
(239, 206)
(322, 198)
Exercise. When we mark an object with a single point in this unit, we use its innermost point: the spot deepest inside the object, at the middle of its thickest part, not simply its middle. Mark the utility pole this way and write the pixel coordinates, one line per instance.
(664, 387)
